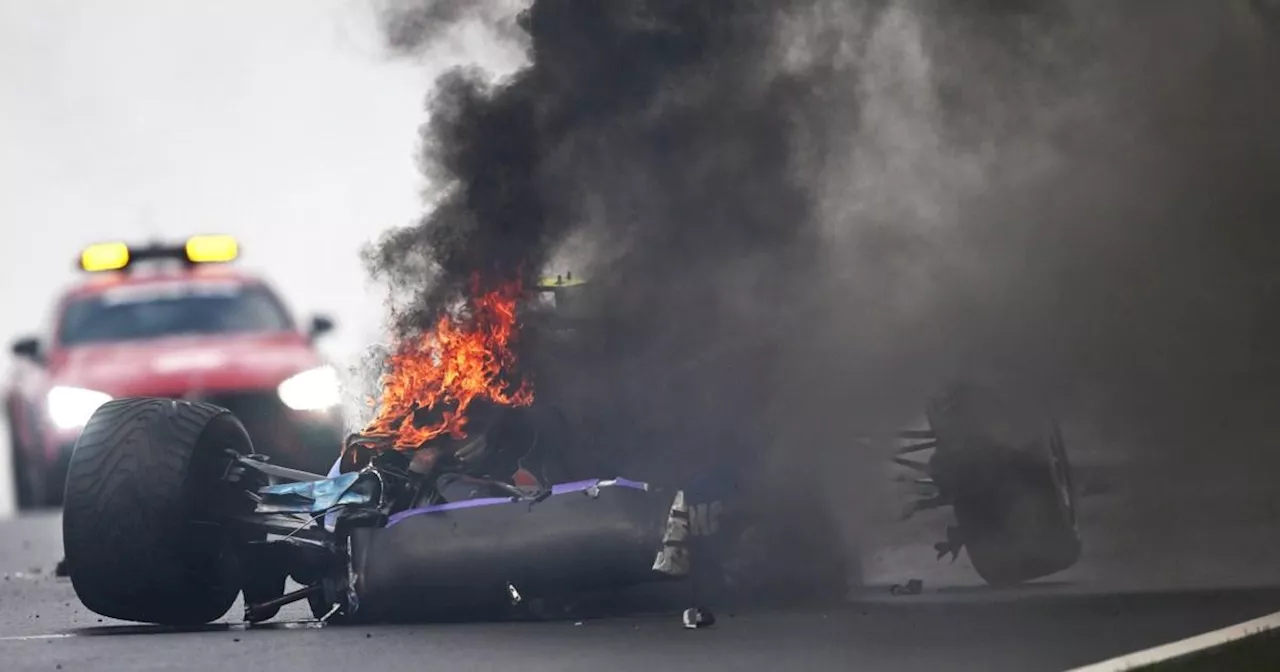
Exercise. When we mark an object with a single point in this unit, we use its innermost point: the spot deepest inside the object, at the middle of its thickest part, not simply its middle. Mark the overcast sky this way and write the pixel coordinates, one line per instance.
(280, 121)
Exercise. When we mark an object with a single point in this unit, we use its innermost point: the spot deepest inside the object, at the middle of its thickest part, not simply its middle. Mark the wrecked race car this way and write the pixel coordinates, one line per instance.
(171, 515)
(457, 503)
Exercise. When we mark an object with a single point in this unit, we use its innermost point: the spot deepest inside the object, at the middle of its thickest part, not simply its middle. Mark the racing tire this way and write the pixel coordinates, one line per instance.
(144, 500)
(1006, 472)
(1028, 541)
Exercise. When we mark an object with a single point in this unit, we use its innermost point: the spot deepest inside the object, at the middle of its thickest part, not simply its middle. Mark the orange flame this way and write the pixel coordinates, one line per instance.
(444, 370)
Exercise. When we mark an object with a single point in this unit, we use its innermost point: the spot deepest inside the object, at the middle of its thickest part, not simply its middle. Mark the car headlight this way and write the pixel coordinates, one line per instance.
(71, 407)
(312, 390)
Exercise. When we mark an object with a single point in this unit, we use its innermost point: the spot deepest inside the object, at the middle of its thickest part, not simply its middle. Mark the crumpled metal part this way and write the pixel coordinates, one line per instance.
(673, 559)
(698, 617)
(311, 496)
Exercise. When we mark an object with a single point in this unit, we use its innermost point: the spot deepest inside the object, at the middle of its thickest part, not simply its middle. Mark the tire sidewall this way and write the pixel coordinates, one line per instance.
(141, 526)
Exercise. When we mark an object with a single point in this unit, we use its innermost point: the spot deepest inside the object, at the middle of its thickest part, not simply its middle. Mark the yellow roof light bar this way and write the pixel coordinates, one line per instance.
(212, 249)
(204, 249)
(104, 257)
(559, 281)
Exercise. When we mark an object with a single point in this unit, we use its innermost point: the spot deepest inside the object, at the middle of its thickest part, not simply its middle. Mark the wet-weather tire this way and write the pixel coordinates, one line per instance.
(143, 511)
(1029, 539)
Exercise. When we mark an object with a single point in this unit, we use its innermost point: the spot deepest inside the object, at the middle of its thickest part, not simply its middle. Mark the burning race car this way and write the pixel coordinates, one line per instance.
(454, 503)
(168, 321)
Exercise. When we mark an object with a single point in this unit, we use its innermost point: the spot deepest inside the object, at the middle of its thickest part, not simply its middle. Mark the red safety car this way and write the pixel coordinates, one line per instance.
(170, 321)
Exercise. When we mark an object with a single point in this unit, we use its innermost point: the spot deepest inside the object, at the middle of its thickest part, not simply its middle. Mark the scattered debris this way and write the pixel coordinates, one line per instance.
(673, 559)
(332, 610)
(698, 617)
(912, 587)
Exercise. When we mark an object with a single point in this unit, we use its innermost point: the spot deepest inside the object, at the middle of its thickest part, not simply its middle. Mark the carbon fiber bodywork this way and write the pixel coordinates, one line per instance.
(488, 555)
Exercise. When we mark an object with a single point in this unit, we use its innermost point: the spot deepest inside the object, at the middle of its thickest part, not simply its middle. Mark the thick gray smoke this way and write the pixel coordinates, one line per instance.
(801, 216)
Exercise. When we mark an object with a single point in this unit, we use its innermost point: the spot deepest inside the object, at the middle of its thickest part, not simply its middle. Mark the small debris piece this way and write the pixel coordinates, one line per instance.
(698, 617)
(515, 594)
(332, 610)
(912, 587)
(61, 568)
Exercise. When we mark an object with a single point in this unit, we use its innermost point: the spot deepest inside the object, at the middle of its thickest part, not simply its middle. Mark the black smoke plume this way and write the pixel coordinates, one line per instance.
(799, 217)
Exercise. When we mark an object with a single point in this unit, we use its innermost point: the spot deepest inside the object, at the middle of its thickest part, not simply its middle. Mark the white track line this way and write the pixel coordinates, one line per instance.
(33, 638)
(1186, 646)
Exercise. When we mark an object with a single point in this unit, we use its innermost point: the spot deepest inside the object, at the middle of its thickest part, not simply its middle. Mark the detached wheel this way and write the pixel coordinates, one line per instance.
(143, 510)
(1003, 466)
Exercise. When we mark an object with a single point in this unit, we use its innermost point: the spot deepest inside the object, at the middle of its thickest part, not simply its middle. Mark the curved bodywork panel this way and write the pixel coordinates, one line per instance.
(487, 554)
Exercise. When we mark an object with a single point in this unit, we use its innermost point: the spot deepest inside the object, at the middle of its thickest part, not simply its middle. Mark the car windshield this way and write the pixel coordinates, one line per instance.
(140, 312)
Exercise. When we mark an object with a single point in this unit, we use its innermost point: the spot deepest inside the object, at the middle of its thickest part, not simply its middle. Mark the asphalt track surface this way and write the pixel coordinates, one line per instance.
(1152, 573)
